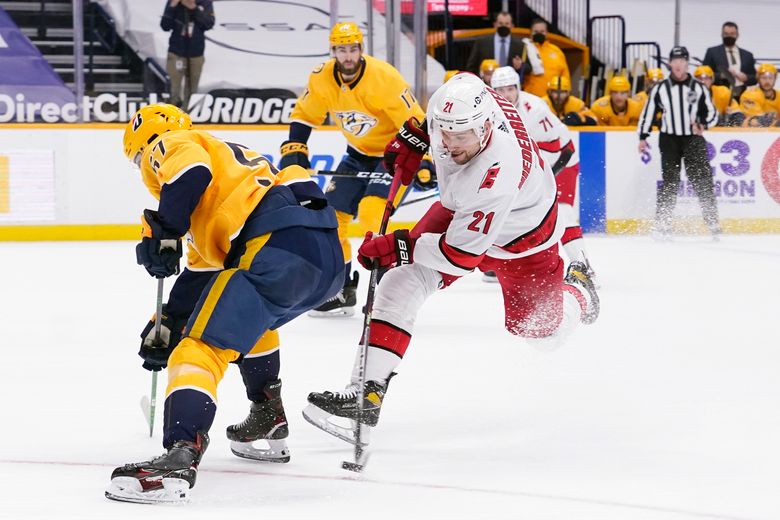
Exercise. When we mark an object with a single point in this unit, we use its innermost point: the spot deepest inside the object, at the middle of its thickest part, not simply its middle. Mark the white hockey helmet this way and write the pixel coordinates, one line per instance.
(505, 77)
(465, 104)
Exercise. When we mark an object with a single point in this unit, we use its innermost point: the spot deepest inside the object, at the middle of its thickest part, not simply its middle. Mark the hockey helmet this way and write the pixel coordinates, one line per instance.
(488, 65)
(148, 124)
(346, 33)
(618, 84)
(505, 77)
(559, 83)
(464, 104)
(702, 71)
(449, 74)
(766, 68)
(656, 74)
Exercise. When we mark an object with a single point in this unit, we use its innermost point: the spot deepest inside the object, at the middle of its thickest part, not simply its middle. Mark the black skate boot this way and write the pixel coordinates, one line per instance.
(578, 276)
(327, 405)
(341, 305)
(267, 422)
(164, 479)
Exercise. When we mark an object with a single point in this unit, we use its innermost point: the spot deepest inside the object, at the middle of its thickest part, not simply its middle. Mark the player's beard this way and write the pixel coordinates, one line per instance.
(348, 68)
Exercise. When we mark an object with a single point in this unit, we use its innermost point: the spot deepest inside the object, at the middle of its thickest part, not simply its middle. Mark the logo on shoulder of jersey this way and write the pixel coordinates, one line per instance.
(331, 186)
(490, 177)
(356, 123)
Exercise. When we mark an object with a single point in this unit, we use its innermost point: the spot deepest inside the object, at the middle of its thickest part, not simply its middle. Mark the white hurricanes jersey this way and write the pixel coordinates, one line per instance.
(503, 200)
(550, 134)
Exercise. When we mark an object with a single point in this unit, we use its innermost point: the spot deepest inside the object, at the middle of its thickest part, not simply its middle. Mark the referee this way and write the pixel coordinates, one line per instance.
(687, 110)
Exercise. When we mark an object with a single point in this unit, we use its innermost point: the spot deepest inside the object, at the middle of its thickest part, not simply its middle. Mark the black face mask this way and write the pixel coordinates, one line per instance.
(503, 31)
(538, 37)
(729, 41)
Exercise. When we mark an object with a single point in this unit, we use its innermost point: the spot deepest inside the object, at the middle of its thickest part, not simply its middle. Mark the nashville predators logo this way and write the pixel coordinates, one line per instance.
(356, 123)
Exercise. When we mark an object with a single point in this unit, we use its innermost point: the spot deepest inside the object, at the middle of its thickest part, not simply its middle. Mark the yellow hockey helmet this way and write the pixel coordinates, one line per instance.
(702, 71)
(656, 74)
(448, 74)
(346, 33)
(488, 65)
(618, 84)
(559, 83)
(766, 68)
(148, 124)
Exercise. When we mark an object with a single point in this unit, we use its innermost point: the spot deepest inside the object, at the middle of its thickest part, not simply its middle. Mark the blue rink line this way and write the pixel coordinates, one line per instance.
(593, 185)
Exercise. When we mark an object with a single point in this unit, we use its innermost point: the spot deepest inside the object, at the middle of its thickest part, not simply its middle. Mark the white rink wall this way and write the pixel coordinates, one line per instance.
(54, 176)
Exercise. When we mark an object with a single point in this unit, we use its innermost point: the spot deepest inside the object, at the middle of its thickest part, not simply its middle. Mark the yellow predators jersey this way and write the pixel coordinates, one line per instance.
(554, 62)
(602, 107)
(239, 179)
(573, 104)
(369, 110)
(754, 102)
(641, 98)
(721, 98)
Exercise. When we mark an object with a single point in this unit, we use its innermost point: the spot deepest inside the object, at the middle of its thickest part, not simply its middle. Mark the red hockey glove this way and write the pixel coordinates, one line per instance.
(393, 249)
(405, 151)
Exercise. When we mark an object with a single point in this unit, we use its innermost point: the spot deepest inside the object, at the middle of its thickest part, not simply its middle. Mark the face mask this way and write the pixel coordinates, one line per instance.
(503, 31)
(729, 41)
(538, 37)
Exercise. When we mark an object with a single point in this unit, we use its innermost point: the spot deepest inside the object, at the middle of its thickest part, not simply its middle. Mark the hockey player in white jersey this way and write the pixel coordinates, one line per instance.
(498, 211)
(557, 148)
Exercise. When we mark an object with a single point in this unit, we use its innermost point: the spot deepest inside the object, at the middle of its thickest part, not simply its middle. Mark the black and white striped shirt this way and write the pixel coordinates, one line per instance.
(682, 103)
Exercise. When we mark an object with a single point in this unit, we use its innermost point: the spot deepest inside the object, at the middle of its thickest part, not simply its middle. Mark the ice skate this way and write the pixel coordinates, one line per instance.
(166, 479)
(489, 277)
(266, 422)
(578, 276)
(337, 412)
(342, 305)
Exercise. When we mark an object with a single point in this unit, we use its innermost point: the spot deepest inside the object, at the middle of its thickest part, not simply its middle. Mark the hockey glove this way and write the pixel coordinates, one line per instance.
(405, 151)
(425, 179)
(294, 153)
(159, 251)
(390, 250)
(156, 353)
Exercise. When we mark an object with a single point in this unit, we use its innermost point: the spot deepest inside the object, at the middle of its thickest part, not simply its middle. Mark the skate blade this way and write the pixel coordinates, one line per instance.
(344, 312)
(321, 419)
(128, 489)
(277, 451)
(489, 279)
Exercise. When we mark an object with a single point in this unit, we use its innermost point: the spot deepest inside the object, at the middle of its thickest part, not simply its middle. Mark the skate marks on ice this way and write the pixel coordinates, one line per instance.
(320, 484)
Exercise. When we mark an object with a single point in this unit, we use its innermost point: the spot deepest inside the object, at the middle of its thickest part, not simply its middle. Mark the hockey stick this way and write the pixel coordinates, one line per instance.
(148, 406)
(356, 175)
(361, 458)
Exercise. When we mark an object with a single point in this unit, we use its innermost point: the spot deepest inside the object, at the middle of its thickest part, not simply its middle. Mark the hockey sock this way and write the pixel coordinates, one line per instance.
(387, 345)
(261, 365)
(194, 370)
(574, 247)
(257, 371)
(344, 220)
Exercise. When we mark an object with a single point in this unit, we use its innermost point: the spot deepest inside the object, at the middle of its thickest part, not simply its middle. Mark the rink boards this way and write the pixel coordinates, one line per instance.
(62, 182)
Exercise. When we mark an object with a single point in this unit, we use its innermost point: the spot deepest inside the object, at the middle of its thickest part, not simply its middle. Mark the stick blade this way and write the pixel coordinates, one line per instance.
(358, 465)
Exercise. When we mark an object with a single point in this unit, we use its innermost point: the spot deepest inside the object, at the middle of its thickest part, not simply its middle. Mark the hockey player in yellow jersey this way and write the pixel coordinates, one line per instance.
(368, 100)
(262, 249)
(760, 104)
(652, 77)
(570, 109)
(617, 108)
(721, 95)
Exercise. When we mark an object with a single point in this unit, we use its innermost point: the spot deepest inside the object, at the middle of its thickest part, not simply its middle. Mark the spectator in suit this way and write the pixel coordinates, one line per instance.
(734, 67)
(187, 20)
(551, 60)
(500, 46)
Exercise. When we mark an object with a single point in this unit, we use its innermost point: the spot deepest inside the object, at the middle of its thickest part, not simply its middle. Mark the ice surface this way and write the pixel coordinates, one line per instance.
(666, 408)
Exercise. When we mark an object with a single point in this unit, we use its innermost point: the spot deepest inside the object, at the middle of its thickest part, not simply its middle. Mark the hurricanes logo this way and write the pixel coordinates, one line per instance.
(356, 123)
